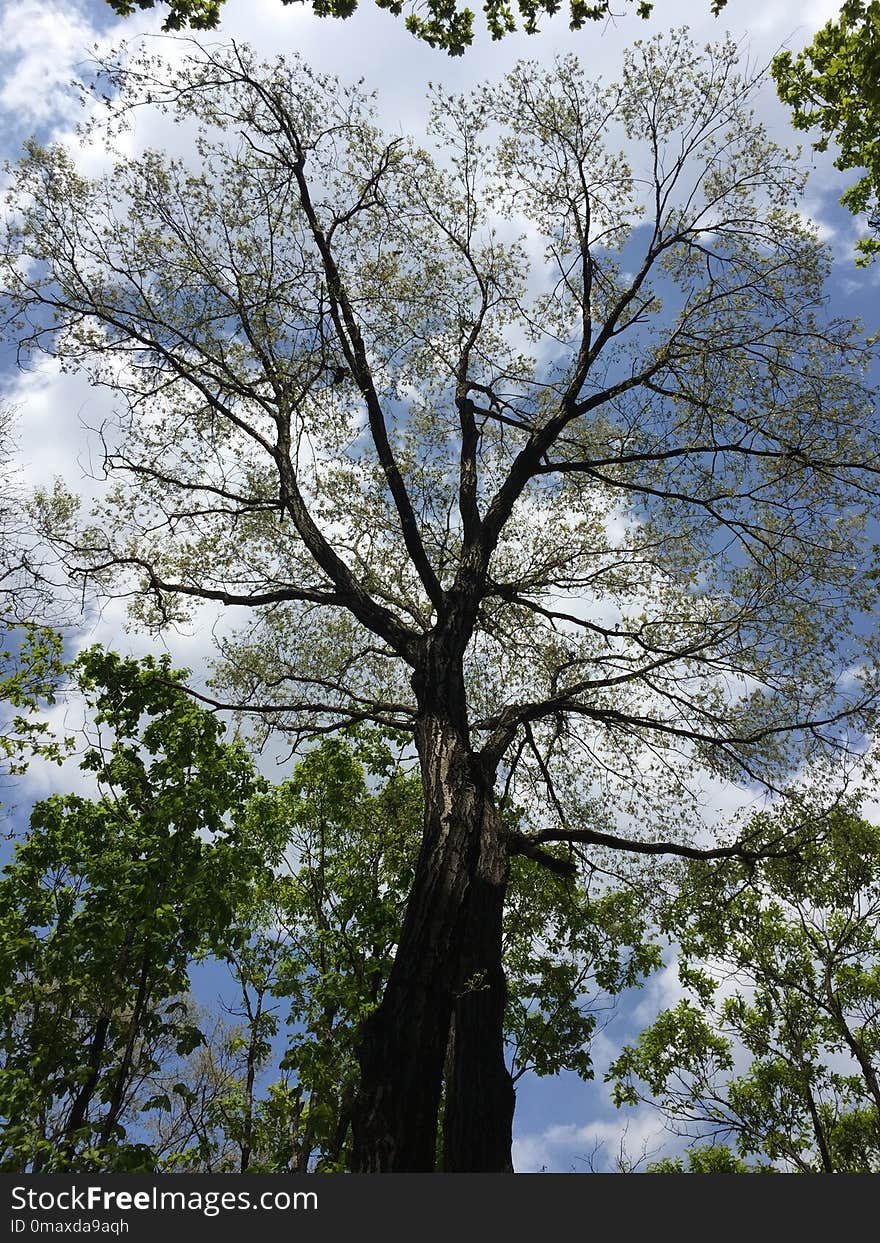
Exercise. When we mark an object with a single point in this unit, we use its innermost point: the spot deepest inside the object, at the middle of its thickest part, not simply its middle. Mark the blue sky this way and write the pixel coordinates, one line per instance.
(559, 1123)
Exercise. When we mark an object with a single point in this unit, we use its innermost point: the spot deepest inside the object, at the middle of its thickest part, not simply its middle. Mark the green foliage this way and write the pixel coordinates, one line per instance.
(31, 650)
(564, 951)
(31, 671)
(197, 14)
(783, 965)
(354, 818)
(104, 905)
(445, 24)
(834, 84)
(711, 1159)
(323, 931)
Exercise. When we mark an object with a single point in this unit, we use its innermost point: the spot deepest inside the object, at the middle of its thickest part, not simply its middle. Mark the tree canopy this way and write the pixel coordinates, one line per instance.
(831, 84)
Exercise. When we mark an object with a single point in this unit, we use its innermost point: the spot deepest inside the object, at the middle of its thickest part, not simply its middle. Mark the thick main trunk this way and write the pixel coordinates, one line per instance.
(404, 1043)
(480, 1099)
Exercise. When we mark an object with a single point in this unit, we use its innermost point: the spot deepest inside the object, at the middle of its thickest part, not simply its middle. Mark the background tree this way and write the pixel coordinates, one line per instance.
(582, 511)
(323, 936)
(31, 673)
(104, 906)
(31, 650)
(834, 85)
(782, 967)
(446, 24)
(191, 1098)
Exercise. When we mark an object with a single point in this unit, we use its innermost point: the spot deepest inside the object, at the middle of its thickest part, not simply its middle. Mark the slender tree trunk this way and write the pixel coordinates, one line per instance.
(480, 1099)
(80, 1107)
(247, 1137)
(819, 1132)
(121, 1080)
(404, 1042)
(855, 1046)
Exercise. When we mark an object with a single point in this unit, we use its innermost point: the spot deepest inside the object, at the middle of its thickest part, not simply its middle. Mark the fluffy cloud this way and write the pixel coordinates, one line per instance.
(598, 1146)
(43, 45)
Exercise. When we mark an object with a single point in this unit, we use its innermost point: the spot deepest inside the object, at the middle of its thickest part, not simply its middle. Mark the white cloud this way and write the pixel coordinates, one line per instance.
(662, 991)
(600, 1146)
(54, 411)
(46, 41)
(43, 45)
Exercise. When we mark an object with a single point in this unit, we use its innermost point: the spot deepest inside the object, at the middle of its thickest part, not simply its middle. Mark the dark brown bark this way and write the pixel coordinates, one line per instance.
(458, 886)
(819, 1132)
(479, 1094)
(251, 1064)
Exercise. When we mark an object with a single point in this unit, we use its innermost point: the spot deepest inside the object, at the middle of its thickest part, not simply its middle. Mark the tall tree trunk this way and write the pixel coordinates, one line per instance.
(83, 1099)
(121, 1081)
(404, 1042)
(480, 1098)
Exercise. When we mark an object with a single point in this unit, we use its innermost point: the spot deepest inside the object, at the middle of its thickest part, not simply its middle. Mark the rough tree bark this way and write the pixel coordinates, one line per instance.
(448, 967)
(480, 1099)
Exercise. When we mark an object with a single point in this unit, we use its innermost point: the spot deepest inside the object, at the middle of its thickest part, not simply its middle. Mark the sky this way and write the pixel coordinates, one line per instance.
(561, 1124)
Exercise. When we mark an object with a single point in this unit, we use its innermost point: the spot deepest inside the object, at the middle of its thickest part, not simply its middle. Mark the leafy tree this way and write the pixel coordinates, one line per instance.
(324, 932)
(188, 1131)
(785, 965)
(581, 513)
(31, 672)
(105, 904)
(446, 24)
(215, 1115)
(341, 910)
(31, 651)
(834, 84)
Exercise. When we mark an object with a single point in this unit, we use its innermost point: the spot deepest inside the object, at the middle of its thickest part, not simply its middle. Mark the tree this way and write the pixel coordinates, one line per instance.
(581, 512)
(31, 650)
(448, 24)
(834, 84)
(103, 908)
(324, 940)
(784, 965)
(31, 672)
